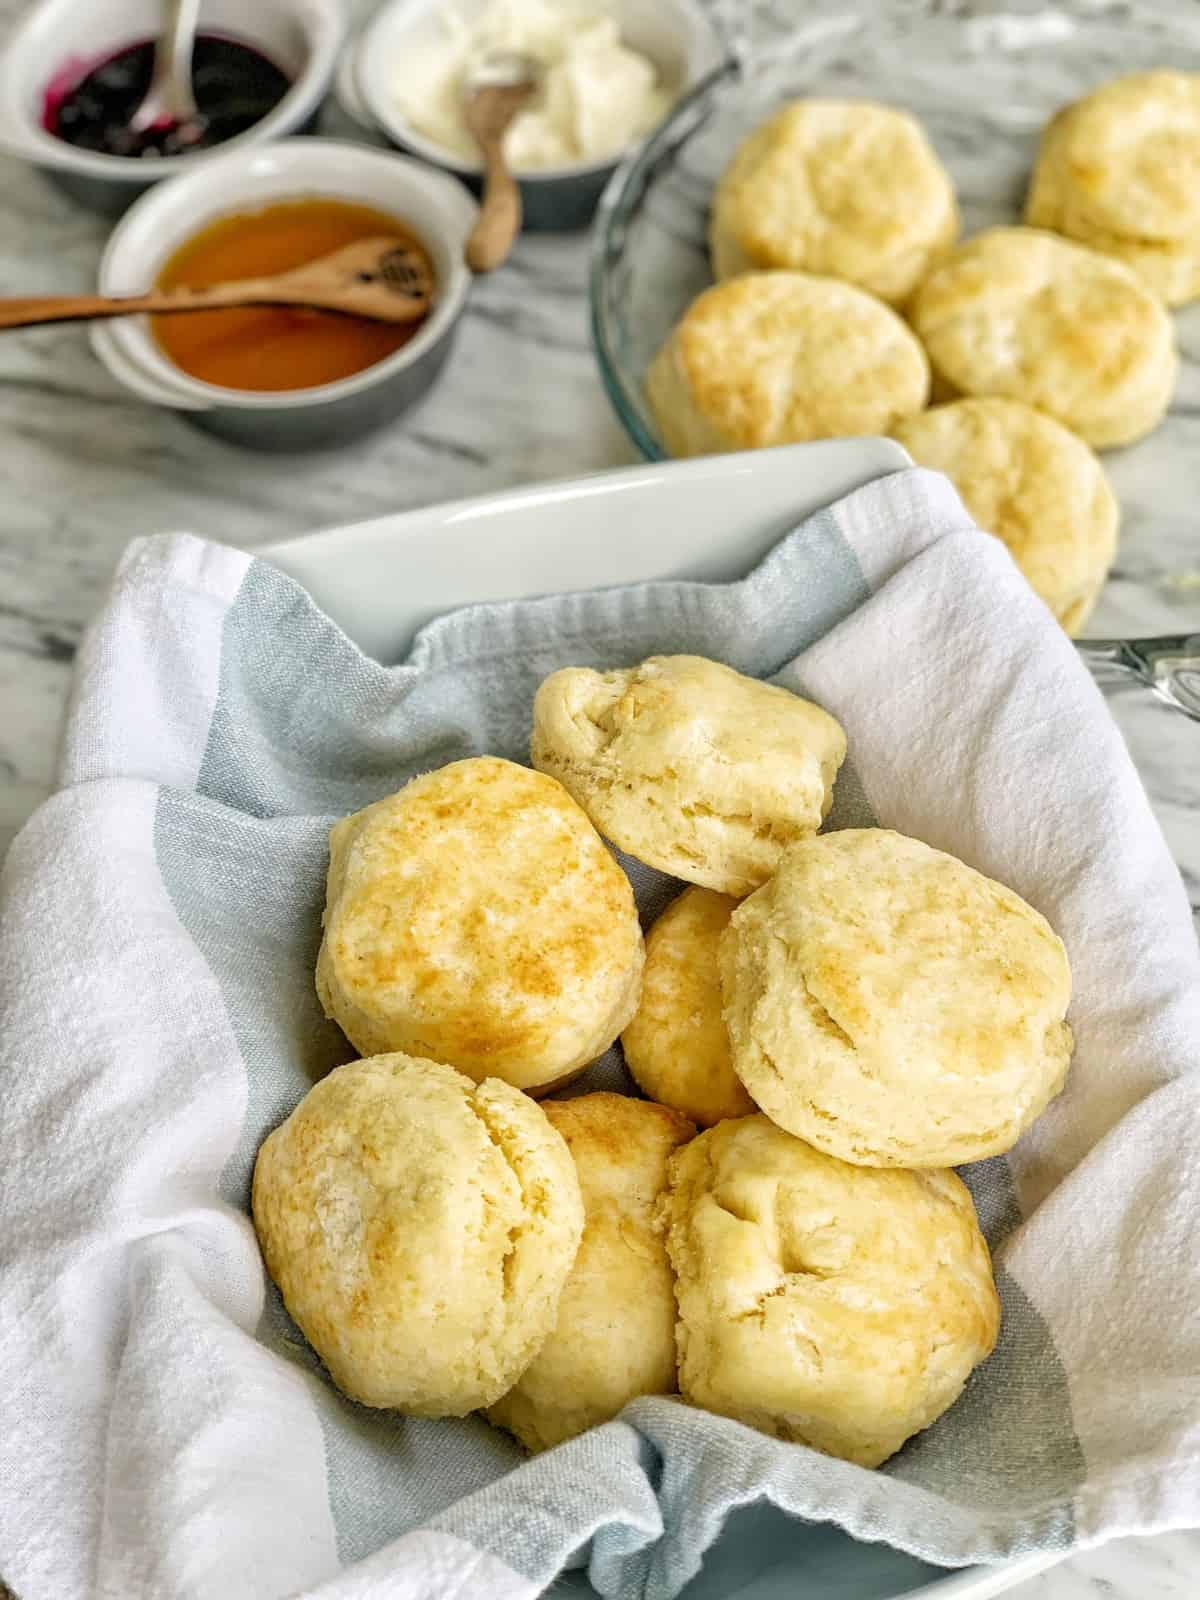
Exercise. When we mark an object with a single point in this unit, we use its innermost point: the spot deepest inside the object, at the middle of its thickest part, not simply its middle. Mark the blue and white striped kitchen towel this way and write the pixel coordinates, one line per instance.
(167, 1433)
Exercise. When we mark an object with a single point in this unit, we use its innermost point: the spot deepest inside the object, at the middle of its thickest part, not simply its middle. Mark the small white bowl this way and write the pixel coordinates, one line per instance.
(301, 37)
(676, 35)
(437, 208)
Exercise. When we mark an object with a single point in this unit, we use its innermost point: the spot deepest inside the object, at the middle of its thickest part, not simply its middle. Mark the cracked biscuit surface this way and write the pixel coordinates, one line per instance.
(688, 765)
(1119, 170)
(828, 1305)
(843, 188)
(774, 358)
(476, 918)
(1032, 483)
(614, 1338)
(1024, 314)
(893, 1006)
(420, 1228)
(677, 1046)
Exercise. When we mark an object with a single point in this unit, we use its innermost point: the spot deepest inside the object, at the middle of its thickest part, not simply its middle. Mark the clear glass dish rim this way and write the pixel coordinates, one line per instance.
(626, 188)
(620, 199)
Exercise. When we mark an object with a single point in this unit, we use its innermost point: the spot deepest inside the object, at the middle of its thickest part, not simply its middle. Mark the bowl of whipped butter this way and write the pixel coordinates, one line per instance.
(611, 70)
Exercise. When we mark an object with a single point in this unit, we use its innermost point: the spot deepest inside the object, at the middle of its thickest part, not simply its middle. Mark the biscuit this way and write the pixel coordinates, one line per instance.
(892, 1006)
(778, 357)
(829, 1305)
(1023, 314)
(615, 1334)
(477, 918)
(1120, 172)
(1039, 489)
(677, 1047)
(420, 1228)
(843, 188)
(689, 766)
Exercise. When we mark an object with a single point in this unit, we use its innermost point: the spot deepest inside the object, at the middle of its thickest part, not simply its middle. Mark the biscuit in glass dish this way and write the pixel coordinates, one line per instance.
(1032, 483)
(1119, 171)
(774, 358)
(1026, 315)
(843, 188)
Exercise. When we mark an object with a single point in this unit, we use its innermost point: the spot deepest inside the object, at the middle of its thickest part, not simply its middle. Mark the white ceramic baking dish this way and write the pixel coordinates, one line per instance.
(710, 519)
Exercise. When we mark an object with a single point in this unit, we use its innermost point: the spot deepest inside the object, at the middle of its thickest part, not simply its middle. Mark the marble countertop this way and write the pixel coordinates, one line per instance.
(84, 468)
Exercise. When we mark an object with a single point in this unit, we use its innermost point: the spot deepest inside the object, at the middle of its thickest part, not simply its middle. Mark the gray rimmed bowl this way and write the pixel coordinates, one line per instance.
(439, 212)
(677, 35)
(302, 37)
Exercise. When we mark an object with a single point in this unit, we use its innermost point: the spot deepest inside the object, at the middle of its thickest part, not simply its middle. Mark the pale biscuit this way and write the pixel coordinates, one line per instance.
(893, 1006)
(1119, 171)
(677, 1046)
(829, 1305)
(688, 765)
(778, 357)
(844, 188)
(1026, 479)
(615, 1334)
(1023, 314)
(477, 918)
(420, 1228)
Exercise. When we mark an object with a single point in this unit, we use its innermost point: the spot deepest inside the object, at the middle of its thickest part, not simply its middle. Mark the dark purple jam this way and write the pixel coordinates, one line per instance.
(234, 84)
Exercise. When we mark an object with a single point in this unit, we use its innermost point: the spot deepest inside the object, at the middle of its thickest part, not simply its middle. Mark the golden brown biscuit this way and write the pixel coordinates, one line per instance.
(844, 188)
(778, 357)
(677, 1047)
(1024, 314)
(830, 1305)
(1025, 478)
(420, 1228)
(1119, 171)
(615, 1334)
(476, 917)
(688, 765)
(892, 1006)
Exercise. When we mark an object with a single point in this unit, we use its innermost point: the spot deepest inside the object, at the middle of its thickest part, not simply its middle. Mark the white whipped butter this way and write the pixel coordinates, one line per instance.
(596, 95)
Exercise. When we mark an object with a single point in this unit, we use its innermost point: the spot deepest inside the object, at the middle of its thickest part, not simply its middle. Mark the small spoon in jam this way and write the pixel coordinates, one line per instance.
(170, 101)
(374, 278)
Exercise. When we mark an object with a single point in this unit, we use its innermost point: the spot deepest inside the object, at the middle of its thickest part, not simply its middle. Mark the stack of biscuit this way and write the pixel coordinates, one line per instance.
(843, 1015)
(844, 304)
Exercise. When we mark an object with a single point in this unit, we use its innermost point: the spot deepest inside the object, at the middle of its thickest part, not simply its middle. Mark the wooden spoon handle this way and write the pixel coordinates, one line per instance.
(500, 214)
(29, 313)
(40, 309)
(377, 278)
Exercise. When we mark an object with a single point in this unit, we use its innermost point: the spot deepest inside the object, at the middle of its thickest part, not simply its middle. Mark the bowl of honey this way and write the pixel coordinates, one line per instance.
(282, 377)
(74, 71)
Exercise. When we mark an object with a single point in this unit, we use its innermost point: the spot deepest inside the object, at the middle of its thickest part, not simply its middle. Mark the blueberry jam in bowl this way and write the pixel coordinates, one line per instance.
(74, 72)
(235, 86)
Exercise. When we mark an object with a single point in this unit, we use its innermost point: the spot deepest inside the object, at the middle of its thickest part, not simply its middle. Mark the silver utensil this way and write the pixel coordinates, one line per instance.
(169, 99)
(1169, 665)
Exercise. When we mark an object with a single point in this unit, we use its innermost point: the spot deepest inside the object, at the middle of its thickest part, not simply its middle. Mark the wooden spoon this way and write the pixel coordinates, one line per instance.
(493, 94)
(380, 279)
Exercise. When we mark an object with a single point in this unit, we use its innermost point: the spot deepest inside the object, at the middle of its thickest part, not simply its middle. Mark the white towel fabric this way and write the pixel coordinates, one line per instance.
(167, 1433)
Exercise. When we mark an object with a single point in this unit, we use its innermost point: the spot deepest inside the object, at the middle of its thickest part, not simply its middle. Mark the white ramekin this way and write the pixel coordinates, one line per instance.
(302, 37)
(437, 208)
(677, 35)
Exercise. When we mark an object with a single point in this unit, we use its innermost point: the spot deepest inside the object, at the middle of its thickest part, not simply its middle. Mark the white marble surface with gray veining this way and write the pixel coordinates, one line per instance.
(84, 468)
